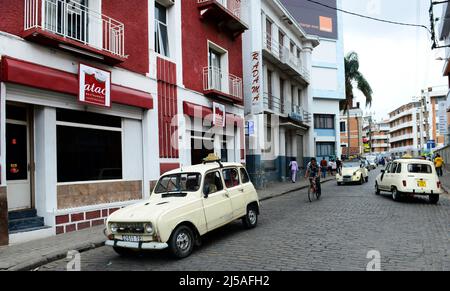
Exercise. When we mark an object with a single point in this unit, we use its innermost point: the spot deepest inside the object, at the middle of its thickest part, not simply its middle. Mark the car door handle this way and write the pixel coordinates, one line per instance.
(241, 190)
(227, 195)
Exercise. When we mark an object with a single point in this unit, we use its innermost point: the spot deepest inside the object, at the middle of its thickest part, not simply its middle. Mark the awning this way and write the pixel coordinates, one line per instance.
(41, 77)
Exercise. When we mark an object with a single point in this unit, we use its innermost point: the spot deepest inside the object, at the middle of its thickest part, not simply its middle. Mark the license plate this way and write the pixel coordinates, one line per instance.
(422, 184)
(131, 238)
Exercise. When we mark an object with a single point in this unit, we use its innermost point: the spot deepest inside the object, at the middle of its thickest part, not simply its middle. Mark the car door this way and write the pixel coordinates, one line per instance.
(216, 201)
(384, 177)
(235, 190)
(390, 176)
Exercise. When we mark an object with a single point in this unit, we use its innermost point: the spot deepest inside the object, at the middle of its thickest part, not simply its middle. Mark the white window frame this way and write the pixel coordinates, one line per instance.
(97, 127)
(160, 50)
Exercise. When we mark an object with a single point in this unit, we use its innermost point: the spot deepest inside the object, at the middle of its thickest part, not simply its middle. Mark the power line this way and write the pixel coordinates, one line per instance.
(370, 17)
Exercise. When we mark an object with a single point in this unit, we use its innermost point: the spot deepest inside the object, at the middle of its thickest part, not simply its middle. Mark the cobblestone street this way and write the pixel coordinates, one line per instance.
(335, 233)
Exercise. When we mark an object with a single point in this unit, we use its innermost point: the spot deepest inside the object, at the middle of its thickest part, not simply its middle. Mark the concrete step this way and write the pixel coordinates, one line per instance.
(25, 223)
(29, 213)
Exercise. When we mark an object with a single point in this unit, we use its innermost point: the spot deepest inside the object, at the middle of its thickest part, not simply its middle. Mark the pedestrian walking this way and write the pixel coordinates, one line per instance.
(339, 166)
(324, 166)
(333, 166)
(439, 163)
(293, 165)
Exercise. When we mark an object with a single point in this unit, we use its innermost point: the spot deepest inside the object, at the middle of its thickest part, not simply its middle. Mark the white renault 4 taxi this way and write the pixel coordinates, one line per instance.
(409, 177)
(185, 204)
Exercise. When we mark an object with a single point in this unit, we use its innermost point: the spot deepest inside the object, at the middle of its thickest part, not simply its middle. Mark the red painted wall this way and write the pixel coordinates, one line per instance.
(12, 16)
(196, 33)
(134, 15)
(167, 108)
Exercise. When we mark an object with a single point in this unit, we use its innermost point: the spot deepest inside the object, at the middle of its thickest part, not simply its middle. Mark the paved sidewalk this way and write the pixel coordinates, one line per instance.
(28, 256)
(445, 180)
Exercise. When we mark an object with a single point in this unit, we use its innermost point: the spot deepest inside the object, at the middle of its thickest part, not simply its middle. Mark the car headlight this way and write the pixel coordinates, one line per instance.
(149, 228)
(114, 227)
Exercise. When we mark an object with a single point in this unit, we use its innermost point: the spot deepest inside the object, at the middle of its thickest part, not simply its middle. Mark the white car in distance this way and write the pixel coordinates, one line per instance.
(409, 177)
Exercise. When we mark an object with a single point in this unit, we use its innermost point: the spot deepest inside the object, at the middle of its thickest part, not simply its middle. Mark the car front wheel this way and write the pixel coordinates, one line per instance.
(181, 243)
(377, 189)
(250, 220)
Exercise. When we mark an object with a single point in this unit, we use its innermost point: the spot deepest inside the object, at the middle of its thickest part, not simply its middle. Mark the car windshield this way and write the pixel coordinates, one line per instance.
(352, 165)
(420, 169)
(183, 182)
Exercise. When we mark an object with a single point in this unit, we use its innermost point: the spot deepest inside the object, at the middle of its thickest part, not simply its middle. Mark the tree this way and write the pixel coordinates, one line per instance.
(354, 77)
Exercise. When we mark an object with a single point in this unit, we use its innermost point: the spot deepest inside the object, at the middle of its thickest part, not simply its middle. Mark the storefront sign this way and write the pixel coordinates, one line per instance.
(95, 86)
(256, 84)
(250, 128)
(315, 19)
(219, 115)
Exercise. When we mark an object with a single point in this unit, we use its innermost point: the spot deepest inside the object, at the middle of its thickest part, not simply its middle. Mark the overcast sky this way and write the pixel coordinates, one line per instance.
(397, 61)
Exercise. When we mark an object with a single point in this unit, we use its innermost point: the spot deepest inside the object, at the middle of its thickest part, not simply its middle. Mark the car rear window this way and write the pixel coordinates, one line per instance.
(420, 169)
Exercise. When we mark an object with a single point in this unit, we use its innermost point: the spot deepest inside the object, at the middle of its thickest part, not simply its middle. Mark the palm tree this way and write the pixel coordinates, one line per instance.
(354, 77)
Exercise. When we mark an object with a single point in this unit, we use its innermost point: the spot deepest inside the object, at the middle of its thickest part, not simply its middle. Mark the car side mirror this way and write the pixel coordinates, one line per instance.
(383, 171)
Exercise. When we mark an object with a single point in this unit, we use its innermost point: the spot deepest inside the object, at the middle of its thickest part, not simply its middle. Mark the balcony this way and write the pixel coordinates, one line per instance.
(402, 126)
(286, 61)
(226, 13)
(285, 109)
(76, 28)
(401, 137)
(217, 84)
(380, 137)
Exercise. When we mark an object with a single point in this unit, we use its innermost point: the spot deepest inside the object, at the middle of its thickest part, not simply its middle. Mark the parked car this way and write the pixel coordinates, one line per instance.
(185, 204)
(409, 177)
(353, 172)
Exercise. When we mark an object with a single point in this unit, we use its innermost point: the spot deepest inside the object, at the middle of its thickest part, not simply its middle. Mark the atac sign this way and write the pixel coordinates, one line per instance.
(95, 86)
(219, 115)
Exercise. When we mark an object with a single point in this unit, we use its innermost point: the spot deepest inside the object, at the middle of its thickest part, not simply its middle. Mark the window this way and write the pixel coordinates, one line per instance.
(68, 18)
(244, 176)
(343, 126)
(189, 182)
(420, 169)
(161, 30)
(325, 149)
(393, 169)
(269, 33)
(231, 177)
(215, 71)
(89, 147)
(322, 121)
(399, 168)
(213, 183)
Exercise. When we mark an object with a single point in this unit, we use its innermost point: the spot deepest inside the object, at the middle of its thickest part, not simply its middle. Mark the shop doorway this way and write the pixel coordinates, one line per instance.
(18, 156)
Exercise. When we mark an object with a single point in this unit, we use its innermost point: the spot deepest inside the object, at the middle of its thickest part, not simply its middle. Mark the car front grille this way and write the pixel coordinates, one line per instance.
(347, 177)
(131, 228)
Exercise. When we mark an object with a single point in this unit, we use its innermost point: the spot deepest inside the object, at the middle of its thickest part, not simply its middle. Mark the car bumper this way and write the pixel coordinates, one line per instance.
(341, 179)
(420, 192)
(136, 245)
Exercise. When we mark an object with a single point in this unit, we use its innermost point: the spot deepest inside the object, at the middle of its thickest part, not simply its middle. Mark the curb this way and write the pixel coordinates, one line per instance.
(291, 191)
(34, 265)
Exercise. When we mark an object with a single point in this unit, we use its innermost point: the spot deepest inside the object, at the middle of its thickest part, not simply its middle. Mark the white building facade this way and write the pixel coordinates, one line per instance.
(277, 89)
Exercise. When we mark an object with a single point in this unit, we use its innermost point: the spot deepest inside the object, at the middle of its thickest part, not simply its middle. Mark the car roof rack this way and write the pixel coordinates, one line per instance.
(213, 158)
